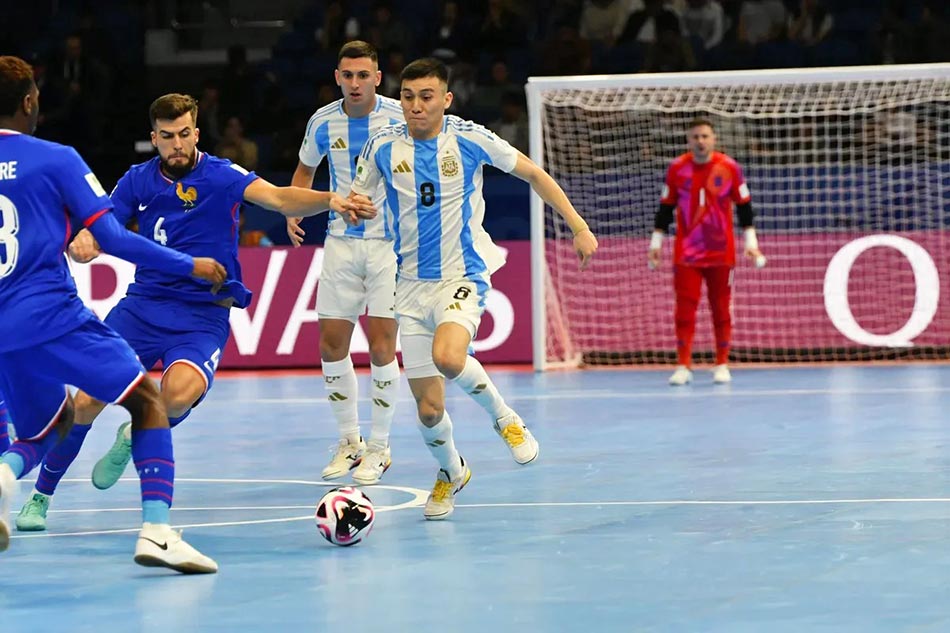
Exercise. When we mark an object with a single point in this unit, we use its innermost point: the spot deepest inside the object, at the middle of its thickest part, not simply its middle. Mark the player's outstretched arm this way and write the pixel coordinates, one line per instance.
(585, 243)
(84, 248)
(116, 240)
(297, 202)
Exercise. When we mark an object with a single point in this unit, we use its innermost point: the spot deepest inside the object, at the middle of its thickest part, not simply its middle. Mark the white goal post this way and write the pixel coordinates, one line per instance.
(849, 170)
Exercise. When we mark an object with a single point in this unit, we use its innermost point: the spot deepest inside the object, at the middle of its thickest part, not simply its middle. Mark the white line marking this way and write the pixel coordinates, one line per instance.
(418, 499)
(606, 394)
(699, 502)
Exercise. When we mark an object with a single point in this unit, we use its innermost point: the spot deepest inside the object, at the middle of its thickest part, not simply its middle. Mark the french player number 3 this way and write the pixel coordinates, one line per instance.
(159, 234)
(8, 231)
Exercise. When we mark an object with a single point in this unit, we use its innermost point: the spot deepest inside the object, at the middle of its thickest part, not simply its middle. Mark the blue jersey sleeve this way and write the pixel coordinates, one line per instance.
(235, 180)
(123, 199)
(84, 196)
(132, 247)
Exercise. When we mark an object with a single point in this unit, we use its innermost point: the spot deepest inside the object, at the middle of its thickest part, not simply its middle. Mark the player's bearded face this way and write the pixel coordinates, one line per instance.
(424, 102)
(176, 141)
(702, 141)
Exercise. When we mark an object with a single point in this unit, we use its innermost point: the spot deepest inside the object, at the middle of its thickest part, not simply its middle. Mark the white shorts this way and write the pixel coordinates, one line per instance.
(359, 276)
(422, 306)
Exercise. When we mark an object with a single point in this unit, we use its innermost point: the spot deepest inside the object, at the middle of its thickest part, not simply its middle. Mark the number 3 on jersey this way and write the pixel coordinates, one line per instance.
(159, 234)
(8, 231)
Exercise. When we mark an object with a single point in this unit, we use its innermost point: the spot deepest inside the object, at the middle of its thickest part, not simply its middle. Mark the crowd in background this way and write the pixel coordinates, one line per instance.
(91, 69)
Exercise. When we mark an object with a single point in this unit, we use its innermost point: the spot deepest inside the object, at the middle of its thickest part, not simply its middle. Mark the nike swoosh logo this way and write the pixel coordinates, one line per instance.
(163, 546)
(50, 470)
(142, 207)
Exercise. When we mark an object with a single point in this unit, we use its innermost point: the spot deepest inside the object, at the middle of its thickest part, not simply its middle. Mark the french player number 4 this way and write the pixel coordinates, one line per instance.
(8, 231)
(159, 234)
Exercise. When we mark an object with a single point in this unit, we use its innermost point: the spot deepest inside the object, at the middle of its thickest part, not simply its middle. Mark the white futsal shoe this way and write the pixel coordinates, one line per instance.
(376, 460)
(161, 546)
(8, 490)
(681, 376)
(346, 458)
(721, 374)
(524, 448)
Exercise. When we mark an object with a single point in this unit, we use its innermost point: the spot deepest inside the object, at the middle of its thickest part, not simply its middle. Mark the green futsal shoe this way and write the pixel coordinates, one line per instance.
(108, 469)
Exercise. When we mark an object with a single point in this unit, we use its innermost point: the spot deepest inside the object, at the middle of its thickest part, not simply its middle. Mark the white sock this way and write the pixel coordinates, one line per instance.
(385, 391)
(475, 382)
(439, 440)
(339, 378)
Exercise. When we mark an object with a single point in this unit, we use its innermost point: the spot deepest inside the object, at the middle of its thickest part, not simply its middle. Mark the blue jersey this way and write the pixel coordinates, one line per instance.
(434, 196)
(45, 188)
(197, 215)
(333, 134)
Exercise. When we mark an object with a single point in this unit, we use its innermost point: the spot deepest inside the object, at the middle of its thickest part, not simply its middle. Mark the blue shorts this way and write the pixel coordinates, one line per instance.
(172, 331)
(91, 357)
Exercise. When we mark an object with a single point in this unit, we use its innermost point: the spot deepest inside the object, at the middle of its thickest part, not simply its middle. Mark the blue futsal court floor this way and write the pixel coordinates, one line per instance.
(794, 499)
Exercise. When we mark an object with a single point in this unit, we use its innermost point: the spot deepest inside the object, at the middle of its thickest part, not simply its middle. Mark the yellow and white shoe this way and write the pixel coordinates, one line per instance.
(441, 501)
(524, 448)
(161, 546)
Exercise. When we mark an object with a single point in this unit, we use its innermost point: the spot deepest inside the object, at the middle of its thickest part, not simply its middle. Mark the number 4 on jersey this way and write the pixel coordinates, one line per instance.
(159, 234)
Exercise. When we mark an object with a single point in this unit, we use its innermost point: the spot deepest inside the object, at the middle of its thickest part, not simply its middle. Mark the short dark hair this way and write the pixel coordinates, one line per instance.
(16, 82)
(425, 67)
(172, 106)
(701, 121)
(357, 49)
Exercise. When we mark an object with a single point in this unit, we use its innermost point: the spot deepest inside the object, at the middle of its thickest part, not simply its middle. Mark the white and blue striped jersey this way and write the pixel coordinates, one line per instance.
(434, 199)
(334, 135)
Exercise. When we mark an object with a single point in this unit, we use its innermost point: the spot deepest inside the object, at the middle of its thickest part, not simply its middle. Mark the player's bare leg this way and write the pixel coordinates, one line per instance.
(182, 386)
(384, 374)
(450, 355)
(339, 378)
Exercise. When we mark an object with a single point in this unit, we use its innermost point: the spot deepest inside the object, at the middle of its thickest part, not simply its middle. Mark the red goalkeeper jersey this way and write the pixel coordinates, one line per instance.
(704, 195)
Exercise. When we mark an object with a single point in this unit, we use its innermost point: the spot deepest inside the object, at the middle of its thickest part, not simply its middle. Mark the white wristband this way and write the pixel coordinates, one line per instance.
(751, 241)
(656, 241)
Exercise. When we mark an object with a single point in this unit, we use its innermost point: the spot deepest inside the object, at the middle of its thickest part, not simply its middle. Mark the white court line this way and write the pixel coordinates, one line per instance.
(418, 499)
(699, 502)
(603, 394)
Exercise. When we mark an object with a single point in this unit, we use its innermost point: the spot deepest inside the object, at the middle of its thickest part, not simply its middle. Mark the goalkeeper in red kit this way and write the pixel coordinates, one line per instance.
(701, 188)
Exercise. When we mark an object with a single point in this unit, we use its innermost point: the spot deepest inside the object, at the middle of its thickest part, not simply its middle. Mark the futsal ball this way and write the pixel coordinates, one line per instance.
(345, 516)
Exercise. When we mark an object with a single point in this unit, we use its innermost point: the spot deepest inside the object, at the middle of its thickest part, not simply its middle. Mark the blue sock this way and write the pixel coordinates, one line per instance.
(29, 453)
(173, 422)
(5, 439)
(155, 463)
(15, 462)
(59, 459)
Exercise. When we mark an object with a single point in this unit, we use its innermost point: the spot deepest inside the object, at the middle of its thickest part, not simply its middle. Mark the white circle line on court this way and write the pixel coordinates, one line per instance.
(418, 499)
(702, 502)
(728, 392)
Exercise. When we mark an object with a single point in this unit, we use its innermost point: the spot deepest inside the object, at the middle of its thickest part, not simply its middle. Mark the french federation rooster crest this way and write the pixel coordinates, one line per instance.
(187, 196)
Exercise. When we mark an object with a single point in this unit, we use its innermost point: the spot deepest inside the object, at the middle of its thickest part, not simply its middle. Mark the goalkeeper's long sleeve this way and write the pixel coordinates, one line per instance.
(664, 216)
(746, 215)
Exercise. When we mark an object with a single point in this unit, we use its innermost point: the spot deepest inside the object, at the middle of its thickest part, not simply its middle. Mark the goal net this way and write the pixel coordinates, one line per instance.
(849, 170)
